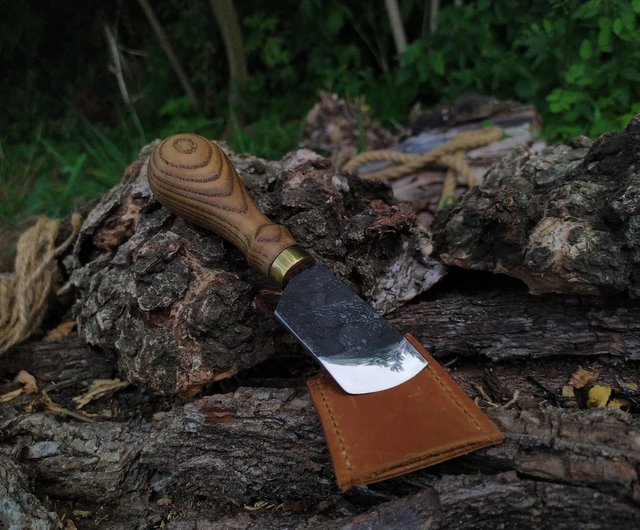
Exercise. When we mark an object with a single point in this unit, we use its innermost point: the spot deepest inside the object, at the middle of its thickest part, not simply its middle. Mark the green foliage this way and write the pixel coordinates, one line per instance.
(576, 61)
(66, 135)
(47, 177)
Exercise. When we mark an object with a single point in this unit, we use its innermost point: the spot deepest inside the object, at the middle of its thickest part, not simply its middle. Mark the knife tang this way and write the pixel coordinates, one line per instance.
(193, 178)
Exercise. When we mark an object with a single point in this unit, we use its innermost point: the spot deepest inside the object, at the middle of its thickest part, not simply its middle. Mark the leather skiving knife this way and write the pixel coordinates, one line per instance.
(389, 428)
(193, 178)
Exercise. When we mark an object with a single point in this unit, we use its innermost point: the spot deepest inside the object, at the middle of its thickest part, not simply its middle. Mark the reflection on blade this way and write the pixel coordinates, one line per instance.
(360, 349)
(373, 377)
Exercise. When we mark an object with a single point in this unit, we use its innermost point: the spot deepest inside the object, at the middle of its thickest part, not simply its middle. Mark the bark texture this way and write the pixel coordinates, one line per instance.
(176, 311)
(255, 457)
(487, 316)
(178, 308)
(565, 220)
(340, 129)
(19, 507)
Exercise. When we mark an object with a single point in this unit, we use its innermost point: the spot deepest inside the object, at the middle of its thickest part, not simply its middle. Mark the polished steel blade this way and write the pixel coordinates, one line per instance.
(358, 347)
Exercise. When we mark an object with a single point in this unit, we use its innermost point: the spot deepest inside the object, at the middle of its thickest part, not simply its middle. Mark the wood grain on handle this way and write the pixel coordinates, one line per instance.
(194, 179)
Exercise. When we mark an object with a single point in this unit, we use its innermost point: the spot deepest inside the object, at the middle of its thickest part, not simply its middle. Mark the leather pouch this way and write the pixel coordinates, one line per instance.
(376, 436)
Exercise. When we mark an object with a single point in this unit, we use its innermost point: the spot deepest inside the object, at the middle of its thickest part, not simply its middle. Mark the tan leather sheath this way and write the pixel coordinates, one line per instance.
(376, 436)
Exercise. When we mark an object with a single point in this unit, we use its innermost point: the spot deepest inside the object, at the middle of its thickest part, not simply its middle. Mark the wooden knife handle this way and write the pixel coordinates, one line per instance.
(193, 178)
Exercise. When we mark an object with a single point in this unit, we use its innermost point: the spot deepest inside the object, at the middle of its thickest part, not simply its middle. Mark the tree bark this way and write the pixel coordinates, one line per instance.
(564, 220)
(177, 306)
(176, 311)
(254, 457)
(19, 507)
(165, 42)
(507, 323)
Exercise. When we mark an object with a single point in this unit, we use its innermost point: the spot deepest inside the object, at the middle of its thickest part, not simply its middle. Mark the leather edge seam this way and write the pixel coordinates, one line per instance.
(434, 458)
(447, 390)
(334, 424)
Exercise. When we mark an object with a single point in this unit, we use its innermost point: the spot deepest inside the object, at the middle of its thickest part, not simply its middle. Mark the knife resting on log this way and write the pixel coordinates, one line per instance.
(388, 407)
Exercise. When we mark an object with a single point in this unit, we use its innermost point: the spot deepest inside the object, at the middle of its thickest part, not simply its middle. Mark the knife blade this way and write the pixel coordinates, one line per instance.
(193, 178)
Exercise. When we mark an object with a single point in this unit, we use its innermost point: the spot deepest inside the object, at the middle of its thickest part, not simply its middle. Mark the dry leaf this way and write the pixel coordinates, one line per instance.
(617, 403)
(567, 391)
(99, 388)
(29, 382)
(4, 398)
(60, 331)
(259, 505)
(582, 377)
(70, 525)
(59, 409)
(599, 396)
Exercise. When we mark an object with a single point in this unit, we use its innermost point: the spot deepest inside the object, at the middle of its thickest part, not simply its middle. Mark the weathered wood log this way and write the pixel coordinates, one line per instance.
(19, 507)
(423, 189)
(485, 315)
(204, 452)
(169, 306)
(520, 503)
(564, 220)
(178, 307)
(461, 502)
(58, 363)
(255, 457)
(335, 128)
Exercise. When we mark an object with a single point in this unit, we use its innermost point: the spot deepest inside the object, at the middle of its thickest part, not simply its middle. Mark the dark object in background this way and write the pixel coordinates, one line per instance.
(465, 108)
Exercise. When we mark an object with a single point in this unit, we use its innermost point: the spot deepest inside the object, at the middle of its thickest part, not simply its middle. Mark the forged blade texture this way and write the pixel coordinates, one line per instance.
(358, 347)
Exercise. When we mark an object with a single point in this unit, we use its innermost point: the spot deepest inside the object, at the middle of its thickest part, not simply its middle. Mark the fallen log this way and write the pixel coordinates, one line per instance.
(481, 314)
(255, 456)
(564, 220)
(176, 312)
(342, 129)
(19, 507)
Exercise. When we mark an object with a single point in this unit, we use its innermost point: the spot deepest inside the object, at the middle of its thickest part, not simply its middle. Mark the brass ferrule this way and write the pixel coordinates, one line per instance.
(286, 261)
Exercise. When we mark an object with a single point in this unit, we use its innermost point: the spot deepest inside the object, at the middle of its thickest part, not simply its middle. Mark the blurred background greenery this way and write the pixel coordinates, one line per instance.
(85, 84)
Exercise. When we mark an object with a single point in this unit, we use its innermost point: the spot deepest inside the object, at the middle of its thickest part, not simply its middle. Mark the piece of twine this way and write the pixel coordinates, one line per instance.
(449, 154)
(25, 292)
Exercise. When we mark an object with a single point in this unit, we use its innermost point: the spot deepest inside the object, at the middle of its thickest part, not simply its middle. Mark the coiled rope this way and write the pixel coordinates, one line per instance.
(443, 155)
(24, 293)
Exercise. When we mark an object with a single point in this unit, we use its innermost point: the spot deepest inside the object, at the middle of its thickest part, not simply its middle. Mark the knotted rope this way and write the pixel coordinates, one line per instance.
(24, 293)
(442, 155)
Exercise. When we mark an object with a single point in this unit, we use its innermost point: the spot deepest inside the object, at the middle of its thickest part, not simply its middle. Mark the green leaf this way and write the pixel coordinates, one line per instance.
(575, 72)
(561, 100)
(586, 49)
(617, 26)
(437, 61)
(577, 75)
(631, 75)
(635, 4)
(604, 37)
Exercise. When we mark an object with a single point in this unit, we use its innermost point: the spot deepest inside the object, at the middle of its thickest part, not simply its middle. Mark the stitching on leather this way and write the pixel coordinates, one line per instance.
(334, 424)
(456, 401)
(451, 450)
(454, 450)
